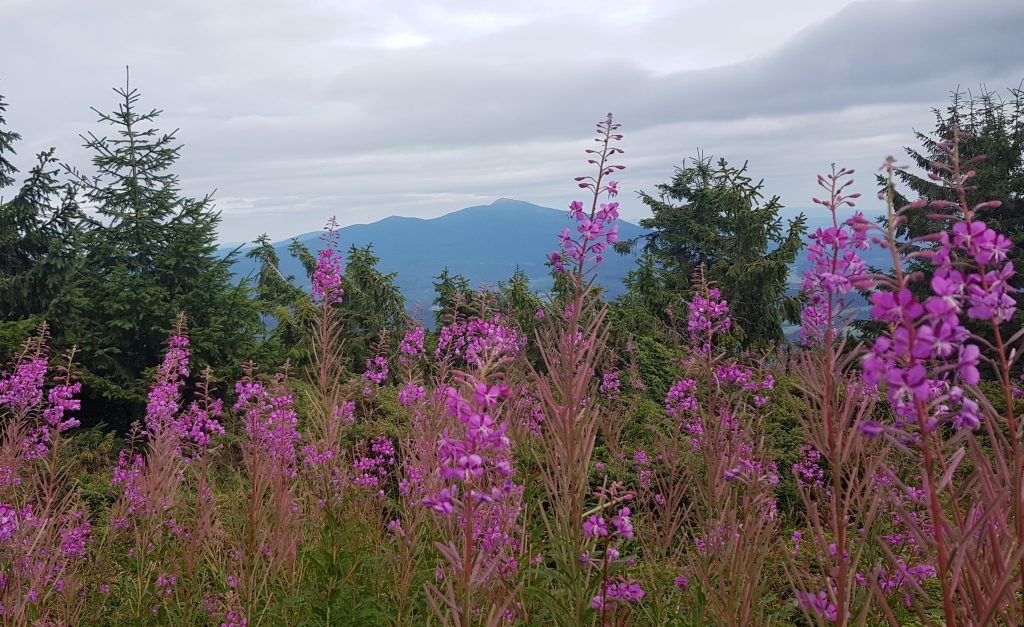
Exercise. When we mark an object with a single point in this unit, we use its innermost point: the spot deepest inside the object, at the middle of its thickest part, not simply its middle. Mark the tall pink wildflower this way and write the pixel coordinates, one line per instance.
(585, 249)
(836, 268)
(475, 478)
(327, 274)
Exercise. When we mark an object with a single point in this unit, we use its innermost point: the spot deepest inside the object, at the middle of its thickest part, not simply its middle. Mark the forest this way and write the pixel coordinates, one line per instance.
(181, 446)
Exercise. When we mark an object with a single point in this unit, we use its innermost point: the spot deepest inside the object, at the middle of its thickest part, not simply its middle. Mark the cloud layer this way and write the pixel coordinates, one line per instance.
(296, 111)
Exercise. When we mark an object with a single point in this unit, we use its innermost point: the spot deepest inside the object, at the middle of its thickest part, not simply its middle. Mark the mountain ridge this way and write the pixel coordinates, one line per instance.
(484, 243)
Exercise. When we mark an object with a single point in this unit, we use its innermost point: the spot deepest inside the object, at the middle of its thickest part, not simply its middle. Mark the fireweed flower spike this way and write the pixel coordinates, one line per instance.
(594, 232)
(474, 455)
(836, 268)
(327, 275)
(929, 363)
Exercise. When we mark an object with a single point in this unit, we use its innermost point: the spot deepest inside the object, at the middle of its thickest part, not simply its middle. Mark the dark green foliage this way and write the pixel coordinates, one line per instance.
(453, 296)
(280, 303)
(713, 215)
(519, 303)
(989, 125)
(38, 228)
(148, 256)
(7, 139)
(373, 304)
(657, 371)
(643, 309)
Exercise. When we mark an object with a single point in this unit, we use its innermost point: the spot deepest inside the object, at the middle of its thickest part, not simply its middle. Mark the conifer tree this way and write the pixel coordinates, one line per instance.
(39, 231)
(373, 304)
(453, 296)
(150, 256)
(712, 214)
(518, 301)
(39, 228)
(281, 304)
(989, 125)
(7, 141)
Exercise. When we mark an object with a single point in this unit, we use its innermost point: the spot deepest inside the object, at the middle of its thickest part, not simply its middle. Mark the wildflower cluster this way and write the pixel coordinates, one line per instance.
(836, 267)
(372, 468)
(925, 358)
(327, 274)
(594, 229)
(270, 419)
(376, 373)
(611, 385)
(193, 428)
(22, 392)
(412, 345)
(604, 538)
(479, 341)
(477, 461)
(709, 316)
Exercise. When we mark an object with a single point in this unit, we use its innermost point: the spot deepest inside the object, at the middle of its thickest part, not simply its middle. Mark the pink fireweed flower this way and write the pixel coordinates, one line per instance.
(595, 526)
(270, 420)
(818, 604)
(622, 591)
(681, 398)
(709, 316)
(924, 358)
(8, 522)
(611, 386)
(808, 470)
(194, 427)
(327, 274)
(411, 346)
(622, 524)
(476, 450)
(75, 534)
(376, 370)
(411, 393)
(594, 226)
(23, 389)
(836, 268)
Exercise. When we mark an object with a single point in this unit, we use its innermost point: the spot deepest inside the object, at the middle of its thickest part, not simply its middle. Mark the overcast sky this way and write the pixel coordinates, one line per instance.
(294, 111)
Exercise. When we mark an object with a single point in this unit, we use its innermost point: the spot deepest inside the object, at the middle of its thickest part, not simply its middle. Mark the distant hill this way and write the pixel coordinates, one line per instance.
(485, 244)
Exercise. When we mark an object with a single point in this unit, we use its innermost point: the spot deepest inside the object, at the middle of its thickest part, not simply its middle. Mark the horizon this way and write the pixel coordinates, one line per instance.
(292, 113)
(786, 213)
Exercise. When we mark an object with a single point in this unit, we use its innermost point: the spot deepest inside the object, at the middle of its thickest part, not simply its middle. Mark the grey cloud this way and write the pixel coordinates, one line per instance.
(292, 112)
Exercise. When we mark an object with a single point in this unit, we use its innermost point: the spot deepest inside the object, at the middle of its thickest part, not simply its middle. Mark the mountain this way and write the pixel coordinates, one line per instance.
(485, 244)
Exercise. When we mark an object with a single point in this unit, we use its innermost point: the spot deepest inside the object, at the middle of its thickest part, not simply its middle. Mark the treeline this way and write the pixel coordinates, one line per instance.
(109, 255)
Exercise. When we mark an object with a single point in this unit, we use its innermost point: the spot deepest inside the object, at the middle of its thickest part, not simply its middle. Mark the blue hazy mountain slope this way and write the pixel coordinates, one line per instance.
(485, 244)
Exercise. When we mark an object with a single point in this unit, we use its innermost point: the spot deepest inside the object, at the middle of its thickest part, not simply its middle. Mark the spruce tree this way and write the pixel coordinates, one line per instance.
(39, 226)
(714, 215)
(7, 141)
(373, 305)
(989, 125)
(281, 304)
(454, 296)
(518, 302)
(150, 255)
(39, 234)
